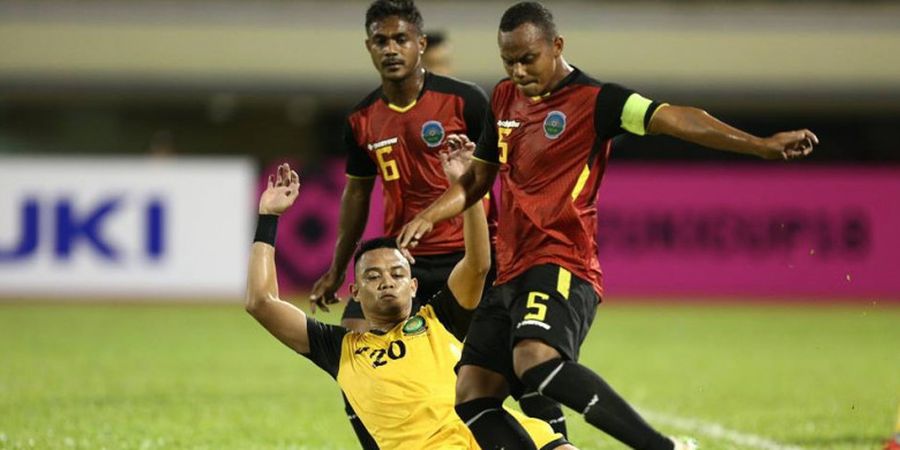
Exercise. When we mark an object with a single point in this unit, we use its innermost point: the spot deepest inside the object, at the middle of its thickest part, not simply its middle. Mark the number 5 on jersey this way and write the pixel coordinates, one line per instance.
(389, 169)
(502, 145)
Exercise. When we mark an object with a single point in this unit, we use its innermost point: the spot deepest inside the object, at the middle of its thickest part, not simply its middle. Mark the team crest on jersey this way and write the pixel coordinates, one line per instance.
(432, 133)
(414, 325)
(554, 124)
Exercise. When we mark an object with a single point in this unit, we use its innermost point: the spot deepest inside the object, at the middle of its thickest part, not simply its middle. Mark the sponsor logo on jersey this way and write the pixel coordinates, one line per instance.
(509, 123)
(384, 143)
(414, 325)
(432, 133)
(554, 124)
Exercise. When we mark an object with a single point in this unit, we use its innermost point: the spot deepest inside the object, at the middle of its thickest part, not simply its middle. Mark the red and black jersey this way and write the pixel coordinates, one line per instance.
(552, 152)
(401, 145)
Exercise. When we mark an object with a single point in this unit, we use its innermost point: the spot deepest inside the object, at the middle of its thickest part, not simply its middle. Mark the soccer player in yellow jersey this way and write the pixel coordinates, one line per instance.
(398, 376)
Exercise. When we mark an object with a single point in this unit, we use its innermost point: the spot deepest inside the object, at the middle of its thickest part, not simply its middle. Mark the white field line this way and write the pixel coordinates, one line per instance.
(716, 431)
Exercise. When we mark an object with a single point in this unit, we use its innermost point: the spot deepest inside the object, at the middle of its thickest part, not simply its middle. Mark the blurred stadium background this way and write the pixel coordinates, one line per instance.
(752, 304)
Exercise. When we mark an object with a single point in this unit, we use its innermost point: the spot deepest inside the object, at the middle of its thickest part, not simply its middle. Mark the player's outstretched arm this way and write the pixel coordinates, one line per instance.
(471, 187)
(698, 126)
(351, 225)
(466, 281)
(285, 321)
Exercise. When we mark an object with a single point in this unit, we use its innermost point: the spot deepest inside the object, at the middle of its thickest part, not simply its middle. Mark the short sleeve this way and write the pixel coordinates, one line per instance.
(358, 162)
(487, 144)
(620, 110)
(476, 103)
(450, 313)
(325, 345)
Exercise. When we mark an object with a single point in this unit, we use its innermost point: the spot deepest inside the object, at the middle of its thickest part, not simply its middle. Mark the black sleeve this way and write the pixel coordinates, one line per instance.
(476, 104)
(608, 115)
(449, 312)
(358, 162)
(325, 345)
(487, 144)
(610, 104)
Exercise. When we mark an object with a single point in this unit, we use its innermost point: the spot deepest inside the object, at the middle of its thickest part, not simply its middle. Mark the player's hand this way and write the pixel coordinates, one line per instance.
(789, 145)
(455, 159)
(281, 191)
(323, 291)
(412, 232)
(455, 141)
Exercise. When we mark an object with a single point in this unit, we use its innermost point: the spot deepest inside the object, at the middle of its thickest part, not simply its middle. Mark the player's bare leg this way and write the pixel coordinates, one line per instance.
(541, 367)
(474, 382)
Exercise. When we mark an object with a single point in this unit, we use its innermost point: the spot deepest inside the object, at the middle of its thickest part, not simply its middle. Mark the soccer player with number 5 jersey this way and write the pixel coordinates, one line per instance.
(548, 135)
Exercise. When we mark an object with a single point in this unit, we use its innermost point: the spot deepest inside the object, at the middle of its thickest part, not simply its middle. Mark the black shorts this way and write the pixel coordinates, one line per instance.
(432, 272)
(546, 303)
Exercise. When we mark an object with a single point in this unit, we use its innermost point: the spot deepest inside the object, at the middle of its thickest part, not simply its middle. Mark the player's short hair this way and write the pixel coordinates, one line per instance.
(404, 9)
(374, 244)
(529, 12)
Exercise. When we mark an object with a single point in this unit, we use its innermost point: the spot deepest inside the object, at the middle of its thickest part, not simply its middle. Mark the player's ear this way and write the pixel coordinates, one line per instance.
(559, 43)
(423, 43)
(354, 289)
(414, 286)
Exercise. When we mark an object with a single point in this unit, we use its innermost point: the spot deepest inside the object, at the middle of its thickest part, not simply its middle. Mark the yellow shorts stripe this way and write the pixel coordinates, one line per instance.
(564, 282)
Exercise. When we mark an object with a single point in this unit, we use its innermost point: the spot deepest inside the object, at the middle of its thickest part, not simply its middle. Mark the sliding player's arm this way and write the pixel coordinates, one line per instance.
(470, 188)
(283, 320)
(466, 281)
(697, 126)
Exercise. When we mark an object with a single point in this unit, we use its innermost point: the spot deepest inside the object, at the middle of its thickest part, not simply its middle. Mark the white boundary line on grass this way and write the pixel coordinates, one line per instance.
(717, 431)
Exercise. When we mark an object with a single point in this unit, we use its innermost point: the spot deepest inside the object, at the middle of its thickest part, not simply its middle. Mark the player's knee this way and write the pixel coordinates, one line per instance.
(474, 382)
(529, 353)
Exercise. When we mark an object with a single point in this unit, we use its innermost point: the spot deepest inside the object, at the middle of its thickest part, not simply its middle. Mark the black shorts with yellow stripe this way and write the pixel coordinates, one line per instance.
(546, 303)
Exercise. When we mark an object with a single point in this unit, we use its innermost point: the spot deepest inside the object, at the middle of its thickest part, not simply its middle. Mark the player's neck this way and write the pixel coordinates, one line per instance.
(383, 324)
(563, 70)
(404, 92)
(377, 326)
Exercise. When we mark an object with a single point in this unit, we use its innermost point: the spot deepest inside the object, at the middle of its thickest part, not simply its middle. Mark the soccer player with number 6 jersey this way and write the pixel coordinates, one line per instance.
(548, 135)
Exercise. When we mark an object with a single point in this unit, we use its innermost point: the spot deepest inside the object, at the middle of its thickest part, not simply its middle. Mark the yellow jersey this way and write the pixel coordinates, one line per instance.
(402, 383)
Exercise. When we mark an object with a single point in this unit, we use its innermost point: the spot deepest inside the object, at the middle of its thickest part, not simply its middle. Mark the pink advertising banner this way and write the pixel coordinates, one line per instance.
(712, 231)
(762, 230)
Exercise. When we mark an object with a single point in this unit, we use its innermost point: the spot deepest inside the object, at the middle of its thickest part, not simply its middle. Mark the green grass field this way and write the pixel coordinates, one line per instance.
(170, 377)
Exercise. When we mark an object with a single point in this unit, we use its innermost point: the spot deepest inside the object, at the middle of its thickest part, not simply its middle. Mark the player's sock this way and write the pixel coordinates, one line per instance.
(540, 407)
(492, 426)
(584, 391)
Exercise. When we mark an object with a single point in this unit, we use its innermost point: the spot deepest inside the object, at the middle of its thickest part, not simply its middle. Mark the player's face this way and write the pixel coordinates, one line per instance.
(384, 285)
(396, 48)
(530, 59)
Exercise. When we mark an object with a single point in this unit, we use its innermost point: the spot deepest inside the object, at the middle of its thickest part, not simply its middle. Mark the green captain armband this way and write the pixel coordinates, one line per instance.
(633, 114)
